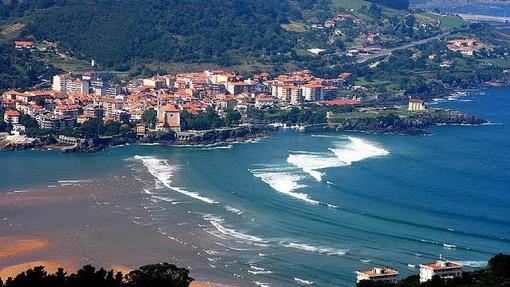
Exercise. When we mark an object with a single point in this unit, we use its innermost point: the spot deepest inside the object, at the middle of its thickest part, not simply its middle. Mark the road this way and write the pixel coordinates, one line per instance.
(387, 52)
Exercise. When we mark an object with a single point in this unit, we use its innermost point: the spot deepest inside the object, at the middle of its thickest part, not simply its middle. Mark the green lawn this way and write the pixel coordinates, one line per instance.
(348, 4)
(502, 63)
(294, 26)
(68, 64)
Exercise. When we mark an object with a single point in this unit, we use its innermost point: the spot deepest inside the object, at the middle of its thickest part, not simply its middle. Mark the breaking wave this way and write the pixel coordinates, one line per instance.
(163, 172)
(318, 249)
(344, 154)
(217, 223)
(303, 281)
(284, 181)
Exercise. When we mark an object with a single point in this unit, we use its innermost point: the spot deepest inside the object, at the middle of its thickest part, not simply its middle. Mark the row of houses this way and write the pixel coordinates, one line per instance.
(77, 99)
(442, 268)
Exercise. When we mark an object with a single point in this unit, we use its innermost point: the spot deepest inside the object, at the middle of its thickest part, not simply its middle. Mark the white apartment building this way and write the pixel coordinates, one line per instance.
(442, 268)
(388, 275)
(66, 83)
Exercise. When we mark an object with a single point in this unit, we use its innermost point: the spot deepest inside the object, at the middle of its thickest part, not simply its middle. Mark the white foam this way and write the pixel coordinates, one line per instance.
(474, 264)
(73, 181)
(344, 154)
(218, 147)
(303, 281)
(233, 210)
(318, 249)
(218, 222)
(284, 182)
(163, 172)
(358, 150)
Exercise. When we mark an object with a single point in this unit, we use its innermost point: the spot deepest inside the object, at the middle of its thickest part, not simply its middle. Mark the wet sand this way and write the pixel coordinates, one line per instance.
(98, 222)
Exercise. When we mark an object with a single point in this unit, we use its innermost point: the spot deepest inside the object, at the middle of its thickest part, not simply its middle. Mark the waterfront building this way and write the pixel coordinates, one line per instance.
(416, 105)
(169, 117)
(443, 268)
(387, 275)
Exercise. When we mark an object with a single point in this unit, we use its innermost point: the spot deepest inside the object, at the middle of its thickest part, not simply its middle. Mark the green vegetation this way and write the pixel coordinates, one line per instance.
(114, 32)
(155, 275)
(21, 69)
(496, 274)
(149, 117)
(208, 120)
(313, 115)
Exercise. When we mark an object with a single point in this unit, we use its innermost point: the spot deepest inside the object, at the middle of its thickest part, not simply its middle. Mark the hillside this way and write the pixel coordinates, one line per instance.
(114, 32)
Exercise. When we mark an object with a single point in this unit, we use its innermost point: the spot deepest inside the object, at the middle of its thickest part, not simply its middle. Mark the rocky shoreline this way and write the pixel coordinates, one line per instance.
(221, 136)
(415, 124)
(393, 124)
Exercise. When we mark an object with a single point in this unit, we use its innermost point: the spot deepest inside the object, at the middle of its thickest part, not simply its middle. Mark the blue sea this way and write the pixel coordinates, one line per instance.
(302, 209)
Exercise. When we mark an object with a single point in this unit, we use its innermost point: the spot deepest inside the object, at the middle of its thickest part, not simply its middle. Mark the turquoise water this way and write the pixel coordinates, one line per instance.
(315, 207)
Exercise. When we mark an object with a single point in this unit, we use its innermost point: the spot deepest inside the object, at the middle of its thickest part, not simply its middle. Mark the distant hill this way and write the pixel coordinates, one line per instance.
(115, 31)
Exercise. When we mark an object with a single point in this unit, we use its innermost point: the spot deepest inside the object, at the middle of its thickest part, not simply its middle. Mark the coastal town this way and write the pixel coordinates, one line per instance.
(166, 105)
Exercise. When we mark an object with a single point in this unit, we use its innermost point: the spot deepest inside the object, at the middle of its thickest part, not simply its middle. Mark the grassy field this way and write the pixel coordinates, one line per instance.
(68, 64)
(502, 63)
(294, 26)
(445, 22)
(347, 4)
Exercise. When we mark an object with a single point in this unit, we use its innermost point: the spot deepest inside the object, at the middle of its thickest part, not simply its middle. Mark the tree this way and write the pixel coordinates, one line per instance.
(28, 121)
(3, 126)
(160, 275)
(149, 117)
(232, 117)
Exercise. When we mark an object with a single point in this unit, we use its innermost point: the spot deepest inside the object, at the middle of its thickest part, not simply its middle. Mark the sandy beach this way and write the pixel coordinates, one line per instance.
(75, 223)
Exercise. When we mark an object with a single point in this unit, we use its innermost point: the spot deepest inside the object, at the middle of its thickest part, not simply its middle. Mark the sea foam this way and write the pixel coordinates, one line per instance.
(342, 155)
(318, 249)
(218, 224)
(284, 181)
(163, 172)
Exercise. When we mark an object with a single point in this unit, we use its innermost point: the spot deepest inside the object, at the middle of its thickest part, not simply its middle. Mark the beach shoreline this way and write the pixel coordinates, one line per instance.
(89, 222)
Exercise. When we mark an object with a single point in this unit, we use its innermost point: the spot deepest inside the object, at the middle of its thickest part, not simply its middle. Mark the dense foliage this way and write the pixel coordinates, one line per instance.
(20, 69)
(497, 274)
(209, 120)
(113, 32)
(156, 275)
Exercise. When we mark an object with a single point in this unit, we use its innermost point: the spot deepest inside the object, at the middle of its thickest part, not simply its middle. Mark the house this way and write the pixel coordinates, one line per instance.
(263, 100)
(29, 45)
(169, 118)
(443, 268)
(386, 275)
(239, 87)
(329, 24)
(416, 105)
(340, 102)
(317, 51)
(11, 116)
(372, 38)
(141, 130)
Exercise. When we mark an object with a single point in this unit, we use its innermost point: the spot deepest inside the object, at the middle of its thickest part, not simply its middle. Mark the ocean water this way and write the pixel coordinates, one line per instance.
(310, 209)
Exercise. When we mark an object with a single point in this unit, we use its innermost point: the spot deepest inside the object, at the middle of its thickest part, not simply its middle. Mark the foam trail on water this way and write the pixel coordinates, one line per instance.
(318, 249)
(474, 264)
(284, 182)
(217, 223)
(303, 281)
(163, 172)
